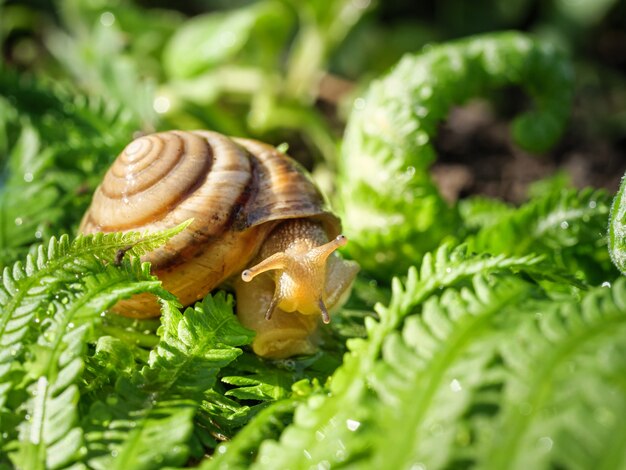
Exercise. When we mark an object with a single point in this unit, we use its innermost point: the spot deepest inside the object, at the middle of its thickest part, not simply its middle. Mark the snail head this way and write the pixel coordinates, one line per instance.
(300, 276)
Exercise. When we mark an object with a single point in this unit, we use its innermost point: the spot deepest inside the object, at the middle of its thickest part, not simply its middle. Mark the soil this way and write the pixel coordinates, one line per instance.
(477, 156)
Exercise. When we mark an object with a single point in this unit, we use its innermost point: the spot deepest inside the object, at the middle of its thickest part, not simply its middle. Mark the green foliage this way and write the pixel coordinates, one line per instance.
(234, 30)
(481, 373)
(390, 204)
(568, 227)
(152, 409)
(56, 144)
(30, 292)
(50, 436)
(112, 407)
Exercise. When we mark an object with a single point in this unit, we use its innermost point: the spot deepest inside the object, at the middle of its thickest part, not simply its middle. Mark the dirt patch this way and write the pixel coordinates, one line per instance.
(476, 155)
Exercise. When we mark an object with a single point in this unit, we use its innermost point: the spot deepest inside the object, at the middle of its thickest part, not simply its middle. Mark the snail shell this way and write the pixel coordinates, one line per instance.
(236, 190)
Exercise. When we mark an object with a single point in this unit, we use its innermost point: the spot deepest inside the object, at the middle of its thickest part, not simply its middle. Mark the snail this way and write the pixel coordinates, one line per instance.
(260, 226)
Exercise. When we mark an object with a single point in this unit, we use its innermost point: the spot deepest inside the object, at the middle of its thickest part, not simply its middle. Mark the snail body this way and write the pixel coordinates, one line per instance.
(259, 225)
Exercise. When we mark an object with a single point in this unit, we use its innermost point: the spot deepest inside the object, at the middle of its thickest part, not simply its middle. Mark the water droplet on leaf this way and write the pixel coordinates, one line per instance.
(545, 444)
(107, 19)
(352, 424)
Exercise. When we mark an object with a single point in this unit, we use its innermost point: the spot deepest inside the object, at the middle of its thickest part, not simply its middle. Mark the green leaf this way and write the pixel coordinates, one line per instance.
(49, 274)
(148, 420)
(194, 346)
(267, 384)
(216, 38)
(240, 452)
(563, 397)
(259, 379)
(51, 437)
(112, 356)
(567, 226)
(490, 374)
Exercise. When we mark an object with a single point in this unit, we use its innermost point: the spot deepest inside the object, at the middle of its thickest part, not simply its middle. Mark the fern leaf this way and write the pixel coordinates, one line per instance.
(205, 340)
(391, 206)
(241, 451)
(563, 400)
(27, 289)
(437, 362)
(346, 412)
(112, 357)
(51, 437)
(446, 267)
(568, 227)
(258, 379)
(222, 417)
(493, 375)
(147, 422)
(107, 245)
(264, 383)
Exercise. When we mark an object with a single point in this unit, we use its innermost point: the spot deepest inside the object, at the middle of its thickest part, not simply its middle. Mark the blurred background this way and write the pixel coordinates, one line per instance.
(79, 78)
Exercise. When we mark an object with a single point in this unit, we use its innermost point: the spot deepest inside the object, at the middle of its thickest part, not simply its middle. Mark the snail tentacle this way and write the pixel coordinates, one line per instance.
(321, 253)
(325, 315)
(276, 261)
(272, 306)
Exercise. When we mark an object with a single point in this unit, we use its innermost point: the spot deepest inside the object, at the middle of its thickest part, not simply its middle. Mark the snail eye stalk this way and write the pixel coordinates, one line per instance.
(325, 315)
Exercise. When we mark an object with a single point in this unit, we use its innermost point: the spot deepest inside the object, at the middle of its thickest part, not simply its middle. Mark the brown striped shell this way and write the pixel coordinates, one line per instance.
(236, 190)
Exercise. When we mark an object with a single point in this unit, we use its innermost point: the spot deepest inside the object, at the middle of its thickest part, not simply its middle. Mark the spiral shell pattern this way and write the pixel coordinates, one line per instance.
(236, 190)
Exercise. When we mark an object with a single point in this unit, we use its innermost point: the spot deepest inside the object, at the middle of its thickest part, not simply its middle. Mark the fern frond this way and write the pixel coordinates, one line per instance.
(445, 267)
(27, 289)
(112, 357)
(135, 429)
(148, 421)
(568, 227)
(493, 375)
(242, 450)
(563, 399)
(106, 245)
(86, 118)
(222, 417)
(51, 437)
(257, 380)
(437, 362)
(194, 346)
(391, 206)
(326, 420)
(479, 212)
